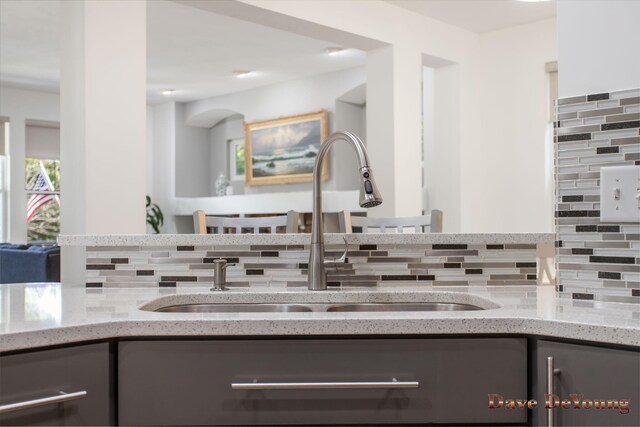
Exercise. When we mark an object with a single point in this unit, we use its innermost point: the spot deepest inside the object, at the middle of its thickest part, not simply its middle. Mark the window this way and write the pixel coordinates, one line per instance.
(42, 167)
(43, 199)
(236, 160)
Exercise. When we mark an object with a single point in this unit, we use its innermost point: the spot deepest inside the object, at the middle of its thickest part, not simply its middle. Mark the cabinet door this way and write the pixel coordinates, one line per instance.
(190, 382)
(39, 374)
(592, 374)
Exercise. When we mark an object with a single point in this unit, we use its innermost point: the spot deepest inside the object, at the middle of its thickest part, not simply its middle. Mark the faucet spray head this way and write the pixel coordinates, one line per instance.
(369, 195)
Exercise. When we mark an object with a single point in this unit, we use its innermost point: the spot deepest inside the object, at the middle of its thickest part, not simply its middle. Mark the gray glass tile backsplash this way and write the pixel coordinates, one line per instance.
(595, 260)
(367, 265)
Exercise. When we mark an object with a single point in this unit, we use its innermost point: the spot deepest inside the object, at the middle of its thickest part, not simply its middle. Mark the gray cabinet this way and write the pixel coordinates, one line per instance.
(595, 375)
(191, 382)
(48, 373)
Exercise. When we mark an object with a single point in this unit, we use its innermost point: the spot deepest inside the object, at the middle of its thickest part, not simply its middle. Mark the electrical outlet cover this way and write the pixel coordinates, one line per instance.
(620, 194)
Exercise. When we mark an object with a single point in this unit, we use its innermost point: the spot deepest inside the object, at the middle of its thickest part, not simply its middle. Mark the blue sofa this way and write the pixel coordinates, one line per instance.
(29, 263)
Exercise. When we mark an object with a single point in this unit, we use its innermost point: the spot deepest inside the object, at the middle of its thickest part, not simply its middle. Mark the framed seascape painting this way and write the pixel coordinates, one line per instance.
(284, 150)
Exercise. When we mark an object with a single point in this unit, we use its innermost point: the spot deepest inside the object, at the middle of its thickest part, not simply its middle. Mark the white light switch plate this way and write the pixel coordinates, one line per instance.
(620, 194)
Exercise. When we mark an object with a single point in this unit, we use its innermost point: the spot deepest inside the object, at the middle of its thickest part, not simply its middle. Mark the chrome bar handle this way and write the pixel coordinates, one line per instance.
(551, 373)
(27, 404)
(325, 385)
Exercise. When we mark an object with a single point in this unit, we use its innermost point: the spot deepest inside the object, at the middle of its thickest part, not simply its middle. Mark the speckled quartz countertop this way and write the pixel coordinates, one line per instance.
(37, 315)
(301, 239)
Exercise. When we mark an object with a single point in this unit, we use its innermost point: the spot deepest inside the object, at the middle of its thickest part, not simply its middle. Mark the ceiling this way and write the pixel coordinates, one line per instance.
(195, 52)
(481, 16)
(29, 39)
(191, 51)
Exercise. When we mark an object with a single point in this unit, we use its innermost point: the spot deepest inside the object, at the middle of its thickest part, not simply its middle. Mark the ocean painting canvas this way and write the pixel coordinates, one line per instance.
(284, 150)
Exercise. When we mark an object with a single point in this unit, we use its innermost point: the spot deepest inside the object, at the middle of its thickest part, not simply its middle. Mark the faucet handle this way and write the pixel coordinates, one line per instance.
(342, 257)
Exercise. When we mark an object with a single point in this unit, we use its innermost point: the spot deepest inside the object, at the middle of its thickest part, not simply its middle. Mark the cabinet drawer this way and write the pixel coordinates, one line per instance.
(190, 382)
(39, 374)
(595, 373)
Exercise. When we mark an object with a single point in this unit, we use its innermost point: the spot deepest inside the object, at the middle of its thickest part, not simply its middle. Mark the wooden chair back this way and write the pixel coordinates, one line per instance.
(203, 223)
(431, 223)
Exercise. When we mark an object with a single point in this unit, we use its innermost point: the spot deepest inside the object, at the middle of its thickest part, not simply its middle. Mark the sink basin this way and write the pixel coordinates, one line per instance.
(301, 308)
(235, 308)
(424, 306)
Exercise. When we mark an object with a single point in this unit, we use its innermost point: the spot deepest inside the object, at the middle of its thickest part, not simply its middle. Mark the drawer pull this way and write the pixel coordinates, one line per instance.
(325, 385)
(27, 404)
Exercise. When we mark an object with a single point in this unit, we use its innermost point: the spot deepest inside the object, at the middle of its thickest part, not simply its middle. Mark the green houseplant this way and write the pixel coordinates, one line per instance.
(155, 218)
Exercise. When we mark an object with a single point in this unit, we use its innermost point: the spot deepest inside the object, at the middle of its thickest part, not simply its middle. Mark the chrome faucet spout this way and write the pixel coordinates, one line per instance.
(369, 197)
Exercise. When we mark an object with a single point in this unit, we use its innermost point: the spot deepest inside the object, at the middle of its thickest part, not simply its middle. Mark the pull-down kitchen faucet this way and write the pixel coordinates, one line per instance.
(369, 197)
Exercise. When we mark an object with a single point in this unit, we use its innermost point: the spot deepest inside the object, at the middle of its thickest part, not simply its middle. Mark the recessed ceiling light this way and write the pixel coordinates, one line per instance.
(168, 91)
(333, 51)
(241, 74)
(533, 1)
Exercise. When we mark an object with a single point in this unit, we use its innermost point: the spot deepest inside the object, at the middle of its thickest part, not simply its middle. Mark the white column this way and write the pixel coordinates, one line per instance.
(394, 117)
(407, 119)
(444, 163)
(17, 230)
(103, 119)
(164, 162)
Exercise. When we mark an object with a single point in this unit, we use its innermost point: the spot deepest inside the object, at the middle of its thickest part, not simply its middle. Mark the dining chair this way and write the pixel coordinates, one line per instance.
(431, 223)
(203, 223)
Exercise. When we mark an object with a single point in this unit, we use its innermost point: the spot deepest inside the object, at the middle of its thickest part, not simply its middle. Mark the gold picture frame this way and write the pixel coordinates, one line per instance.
(284, 150)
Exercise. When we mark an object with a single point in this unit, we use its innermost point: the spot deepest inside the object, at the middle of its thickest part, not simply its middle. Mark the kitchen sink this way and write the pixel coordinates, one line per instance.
(235, 308)
(330, 308)
(423, 306)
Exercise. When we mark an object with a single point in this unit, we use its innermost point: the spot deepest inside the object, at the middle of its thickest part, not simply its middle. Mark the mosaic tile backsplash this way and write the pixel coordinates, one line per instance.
(286, 265)
(595, 260)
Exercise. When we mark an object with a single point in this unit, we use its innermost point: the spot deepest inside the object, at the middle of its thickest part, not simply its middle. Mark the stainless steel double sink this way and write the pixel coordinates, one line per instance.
(323, 308)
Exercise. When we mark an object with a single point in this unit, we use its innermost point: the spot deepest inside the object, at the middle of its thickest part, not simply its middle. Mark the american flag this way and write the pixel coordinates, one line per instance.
(38, 200)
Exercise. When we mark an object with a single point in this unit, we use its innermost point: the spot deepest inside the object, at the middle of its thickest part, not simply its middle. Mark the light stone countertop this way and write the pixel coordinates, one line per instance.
(301, 239)
(39, 315)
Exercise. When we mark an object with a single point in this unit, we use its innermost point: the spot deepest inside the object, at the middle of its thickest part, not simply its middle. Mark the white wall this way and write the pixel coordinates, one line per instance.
(149, 149)
(381, 126)
(598, 45)
(349, 117)
(192, 157)
(442, 118)
(503, 156)
(428, 135)
(31, 104)
(163, 171)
